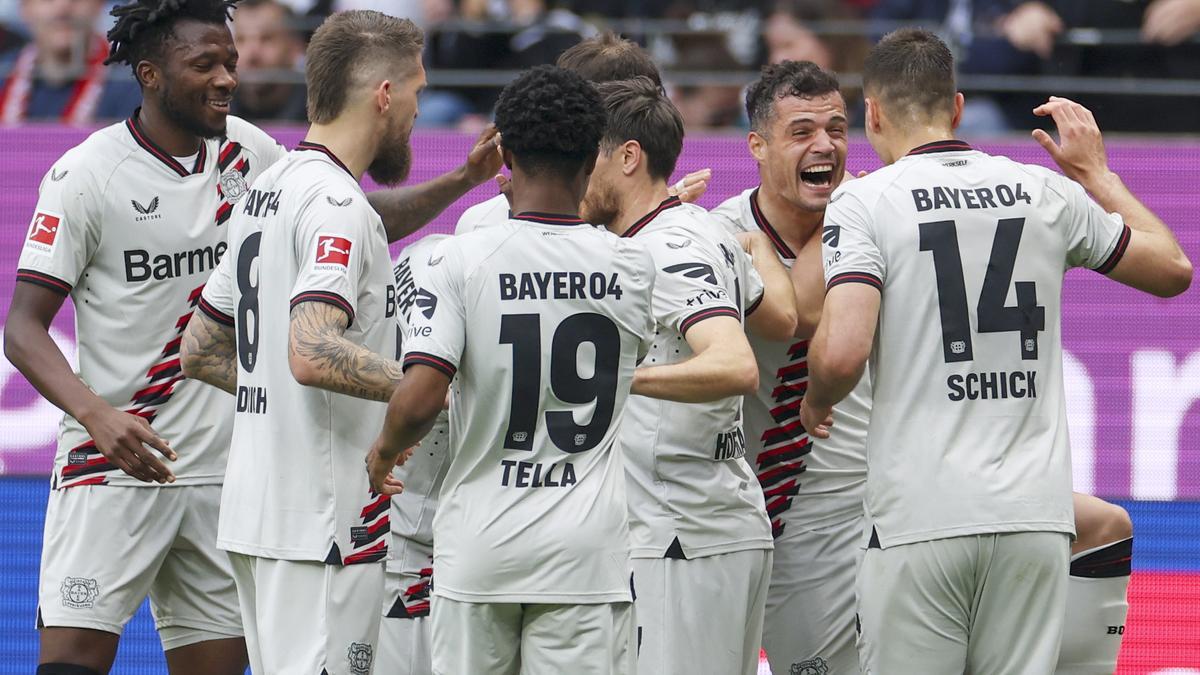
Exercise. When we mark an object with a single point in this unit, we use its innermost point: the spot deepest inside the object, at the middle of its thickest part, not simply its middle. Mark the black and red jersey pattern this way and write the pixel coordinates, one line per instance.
(230, 156)
(413, 601)
(85, 464)
(784, 445)
(368, 539)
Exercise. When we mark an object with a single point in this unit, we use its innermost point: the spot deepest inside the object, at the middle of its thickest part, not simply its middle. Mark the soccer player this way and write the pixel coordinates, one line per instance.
(945, 268)
(813, 491)
(604, 58)
(305, 533)
(531, 544)
(698, 525)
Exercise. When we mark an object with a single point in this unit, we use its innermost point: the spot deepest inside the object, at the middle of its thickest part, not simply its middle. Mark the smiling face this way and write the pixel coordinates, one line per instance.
(198, 76)
(802, 155)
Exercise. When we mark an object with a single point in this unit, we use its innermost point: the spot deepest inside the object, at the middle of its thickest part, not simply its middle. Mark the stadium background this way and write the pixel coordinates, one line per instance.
(1133, 378)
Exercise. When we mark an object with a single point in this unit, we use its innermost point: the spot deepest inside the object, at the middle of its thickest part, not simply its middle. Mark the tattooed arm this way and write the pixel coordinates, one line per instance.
(320, 356)
(405, 210)
(208, 352)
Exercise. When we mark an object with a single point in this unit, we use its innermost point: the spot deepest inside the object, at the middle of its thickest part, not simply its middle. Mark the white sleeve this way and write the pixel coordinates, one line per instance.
(1095, 239)
(64, 232)
(687, 289)
(849, 246)
(216, 300)
(331, 247)
(439, 323)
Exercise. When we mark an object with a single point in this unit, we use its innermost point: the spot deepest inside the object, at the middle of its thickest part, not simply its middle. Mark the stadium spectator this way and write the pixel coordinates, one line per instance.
(710, 105)
(269, 53)
(60, 73)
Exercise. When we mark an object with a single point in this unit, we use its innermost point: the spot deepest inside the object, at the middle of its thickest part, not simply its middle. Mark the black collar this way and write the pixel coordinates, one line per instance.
(143, 139)
(949, 145)
(548, 218)
(307, 145)
(668, 203)
(760, 220)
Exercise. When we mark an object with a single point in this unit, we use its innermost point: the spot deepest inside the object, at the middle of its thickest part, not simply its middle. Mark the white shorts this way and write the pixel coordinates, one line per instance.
(809, 624)
(305, 618)
(475, 638)
(404, 641)
(701, 616)
(106, 548)
(991, 604)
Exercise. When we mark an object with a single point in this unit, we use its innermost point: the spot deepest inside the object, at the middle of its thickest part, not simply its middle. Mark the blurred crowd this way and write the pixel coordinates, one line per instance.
(51, 52)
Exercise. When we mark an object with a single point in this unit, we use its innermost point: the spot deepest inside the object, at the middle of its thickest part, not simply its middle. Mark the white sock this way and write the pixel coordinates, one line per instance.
(1096, 609)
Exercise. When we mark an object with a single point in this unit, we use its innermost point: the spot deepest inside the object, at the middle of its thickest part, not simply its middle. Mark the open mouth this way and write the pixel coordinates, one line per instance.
(221, 105)
(818, 175)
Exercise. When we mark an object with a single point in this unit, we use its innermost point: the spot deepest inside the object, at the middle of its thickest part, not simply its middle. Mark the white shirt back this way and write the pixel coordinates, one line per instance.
(494, 211)
(968, 429)
(533, 506)
(807, 481)
(296, 488)
(131, 235)
(691, 491)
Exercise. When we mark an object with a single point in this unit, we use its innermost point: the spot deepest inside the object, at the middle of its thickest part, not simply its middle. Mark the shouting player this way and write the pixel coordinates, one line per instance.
(697, 521)
(531, 541)
(945, 268)
(814, 491)
(306, 534)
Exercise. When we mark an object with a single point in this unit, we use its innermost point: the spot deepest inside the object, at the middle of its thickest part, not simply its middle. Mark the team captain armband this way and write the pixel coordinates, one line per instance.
(854, 278)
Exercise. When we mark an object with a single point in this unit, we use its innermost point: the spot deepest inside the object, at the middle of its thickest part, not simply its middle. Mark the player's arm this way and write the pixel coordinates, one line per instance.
(411, 413)
(808, 284)
(320, 356)
(839, 351)
(119, 436)
(723, 365)
(691, 187)
(1152, 260)
(774, 317)
(405, 210)
(209, 351)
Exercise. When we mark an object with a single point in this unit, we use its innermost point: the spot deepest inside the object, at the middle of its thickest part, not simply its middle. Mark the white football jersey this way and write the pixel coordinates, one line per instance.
(541, 322)
(131, 235)
(805, 480)
(691, 491)
(968, 430)
(296, 488)
(494, 211)
(422, 475)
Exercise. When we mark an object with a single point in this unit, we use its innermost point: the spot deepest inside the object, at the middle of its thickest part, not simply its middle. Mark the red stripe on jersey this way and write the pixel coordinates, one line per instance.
(435, 362)
(215, 314)
(640, 223)
(1118, 252)
(223, 212)
(782, 472)
(783, 432)
(704, 314)
(44, 280)
(855, 278)
(172, 347)
(796, 448)
(785, 391)
(797, 369)
(182, 321)
(373, 554)
(786, 411)
(790, 489)
(155, 371)
(194, 296)
(95, 480)
(800, 347)
(373, 507)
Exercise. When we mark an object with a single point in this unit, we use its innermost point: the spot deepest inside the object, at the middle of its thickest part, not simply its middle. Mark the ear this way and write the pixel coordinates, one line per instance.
(631, 157)
(959, 101)
(506, 157)
(383, 95)
(147, 74)
(874, 116)
(757, 145)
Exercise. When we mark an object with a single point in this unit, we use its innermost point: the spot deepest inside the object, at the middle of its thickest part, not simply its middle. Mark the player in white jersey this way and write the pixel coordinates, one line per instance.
(129, 224)
(813, 490)
(306, 534)
(531, 544)
(404, 633)
(945, 268)
(701, 541)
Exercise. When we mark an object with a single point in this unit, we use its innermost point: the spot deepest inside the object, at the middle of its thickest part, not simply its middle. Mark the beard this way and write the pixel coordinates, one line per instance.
(393, 159)
(185, 119)
(600, 205)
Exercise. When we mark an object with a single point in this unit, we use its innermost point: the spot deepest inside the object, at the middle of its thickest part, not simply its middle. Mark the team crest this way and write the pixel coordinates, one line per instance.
(815, 666)
(360, 655)
(79, 593)
(233, 184)
(43, 231)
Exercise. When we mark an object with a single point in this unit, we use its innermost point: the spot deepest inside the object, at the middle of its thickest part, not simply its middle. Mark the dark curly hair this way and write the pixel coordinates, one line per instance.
(803, 79)
(144, 27)
(551, 120)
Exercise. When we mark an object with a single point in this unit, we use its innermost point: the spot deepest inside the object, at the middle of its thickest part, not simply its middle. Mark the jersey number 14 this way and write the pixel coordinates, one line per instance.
(1026, 318)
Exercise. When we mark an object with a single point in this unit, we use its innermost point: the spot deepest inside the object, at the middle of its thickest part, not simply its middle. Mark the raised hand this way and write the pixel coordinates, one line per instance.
(484, 159)
(1080, 148)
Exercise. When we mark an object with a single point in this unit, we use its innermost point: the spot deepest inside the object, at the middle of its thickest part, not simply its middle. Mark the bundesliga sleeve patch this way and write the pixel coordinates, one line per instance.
(43, 231)
(333, 251)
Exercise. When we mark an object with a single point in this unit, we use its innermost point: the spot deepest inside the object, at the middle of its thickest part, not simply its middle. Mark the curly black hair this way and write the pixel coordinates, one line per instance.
(551, 119)
(144, 27)
(803, 79)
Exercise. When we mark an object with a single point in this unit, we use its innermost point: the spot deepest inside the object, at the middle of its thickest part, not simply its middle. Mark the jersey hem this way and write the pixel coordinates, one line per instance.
(703, 314)
(971, 530)
(215, 314)
(593, 598)
(765, 543)
(257, 551)
(128, 481)
(855, 278)
(44, 280)
(327, 297)
(1118, 252)
(433, 361)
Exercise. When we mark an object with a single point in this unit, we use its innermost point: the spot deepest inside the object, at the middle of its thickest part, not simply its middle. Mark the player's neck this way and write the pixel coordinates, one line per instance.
(905, 143)
(637, 202)
(794, 224)
(164, 133)
(539, 195)
(352, 142)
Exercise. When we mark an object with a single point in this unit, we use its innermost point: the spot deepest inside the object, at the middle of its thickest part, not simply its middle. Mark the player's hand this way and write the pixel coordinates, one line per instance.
(484, 160)
(380, 462)
(1032, 27)
(817, 422)
(692, 186)
(504, 183)
(1080, 148)
(1170, 22)
(122, 439)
